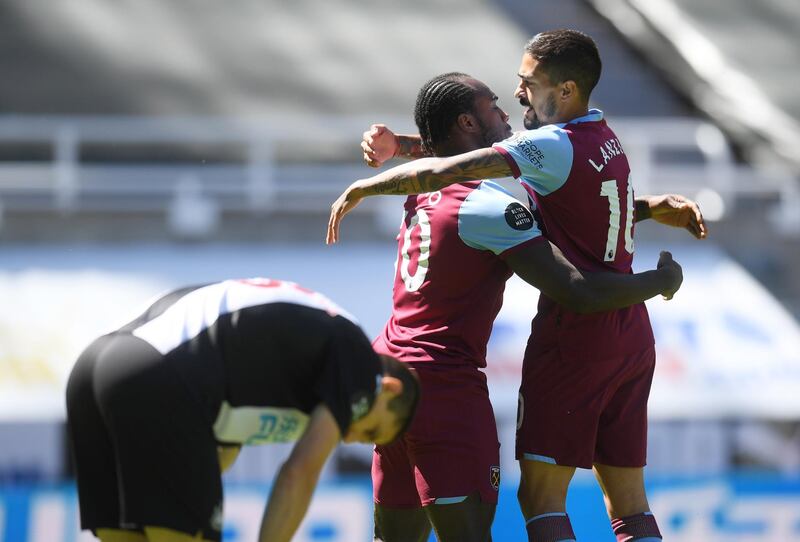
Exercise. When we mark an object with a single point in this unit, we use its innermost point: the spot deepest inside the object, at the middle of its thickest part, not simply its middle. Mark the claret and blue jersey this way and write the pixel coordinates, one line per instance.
(579, 177)
(451, 271)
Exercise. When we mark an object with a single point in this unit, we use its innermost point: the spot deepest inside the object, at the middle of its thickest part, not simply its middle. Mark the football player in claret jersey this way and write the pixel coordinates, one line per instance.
(158, 408)
(586, 377)
(456, 249)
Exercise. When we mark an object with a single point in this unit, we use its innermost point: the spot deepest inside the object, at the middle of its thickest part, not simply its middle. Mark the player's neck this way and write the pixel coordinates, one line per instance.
(456, 145)
(454, 148)
(572, 112)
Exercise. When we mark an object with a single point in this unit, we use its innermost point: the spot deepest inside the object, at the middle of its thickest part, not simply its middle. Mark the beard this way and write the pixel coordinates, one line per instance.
(531, 120)
(489, 136)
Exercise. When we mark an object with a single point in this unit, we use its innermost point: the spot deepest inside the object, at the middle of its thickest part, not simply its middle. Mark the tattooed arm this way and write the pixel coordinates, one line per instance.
(417, 177)
(410, 146)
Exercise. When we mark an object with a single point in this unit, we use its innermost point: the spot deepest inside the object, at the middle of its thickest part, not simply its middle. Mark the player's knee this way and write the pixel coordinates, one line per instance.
(543, 495)
(626, 503)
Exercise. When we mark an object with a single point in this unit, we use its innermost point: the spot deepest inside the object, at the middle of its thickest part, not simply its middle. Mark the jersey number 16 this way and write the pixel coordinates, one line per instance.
(610, 190)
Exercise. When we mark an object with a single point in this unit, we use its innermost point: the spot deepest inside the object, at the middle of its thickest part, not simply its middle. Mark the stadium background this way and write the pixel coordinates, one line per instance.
(148, 144)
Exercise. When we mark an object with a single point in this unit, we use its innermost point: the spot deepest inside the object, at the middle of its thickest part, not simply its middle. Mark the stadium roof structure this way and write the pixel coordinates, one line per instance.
(735, 60)
(246, 58)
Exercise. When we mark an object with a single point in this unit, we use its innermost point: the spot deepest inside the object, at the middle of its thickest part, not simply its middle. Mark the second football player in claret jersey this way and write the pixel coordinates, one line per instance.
(593, 371)
(456, 249)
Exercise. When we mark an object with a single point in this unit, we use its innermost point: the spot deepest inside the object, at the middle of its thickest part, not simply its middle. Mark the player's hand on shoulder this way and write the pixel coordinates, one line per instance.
(674, 274)
(379, 144)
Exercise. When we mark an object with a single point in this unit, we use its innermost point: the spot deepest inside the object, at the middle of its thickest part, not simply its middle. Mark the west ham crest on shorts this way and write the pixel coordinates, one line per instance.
(494, 476)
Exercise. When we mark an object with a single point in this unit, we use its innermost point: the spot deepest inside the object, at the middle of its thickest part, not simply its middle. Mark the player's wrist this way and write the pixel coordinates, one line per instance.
(671, 278)
(644, 208)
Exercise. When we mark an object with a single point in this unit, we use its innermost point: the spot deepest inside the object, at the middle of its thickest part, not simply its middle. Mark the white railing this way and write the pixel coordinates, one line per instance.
(298, 165)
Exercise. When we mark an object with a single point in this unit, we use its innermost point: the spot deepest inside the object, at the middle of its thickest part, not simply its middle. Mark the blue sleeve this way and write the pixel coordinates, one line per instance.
(540, 158)
(490, 218)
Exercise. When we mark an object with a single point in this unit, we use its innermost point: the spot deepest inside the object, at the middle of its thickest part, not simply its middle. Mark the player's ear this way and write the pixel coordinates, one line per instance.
(466, 122)
(568, 90)
(392, 385)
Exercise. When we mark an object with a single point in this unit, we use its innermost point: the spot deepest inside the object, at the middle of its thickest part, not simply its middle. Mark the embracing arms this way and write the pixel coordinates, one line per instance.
(417, 177)
(429, 174)
(545, 267)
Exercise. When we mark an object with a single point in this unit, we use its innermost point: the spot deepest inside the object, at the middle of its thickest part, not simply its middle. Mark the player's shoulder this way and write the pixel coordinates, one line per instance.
(493, 206)
(488, 198)
(551, 133)
(492, 218)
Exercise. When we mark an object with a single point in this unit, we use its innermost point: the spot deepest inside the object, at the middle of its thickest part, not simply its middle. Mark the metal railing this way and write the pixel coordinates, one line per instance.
(300, 165)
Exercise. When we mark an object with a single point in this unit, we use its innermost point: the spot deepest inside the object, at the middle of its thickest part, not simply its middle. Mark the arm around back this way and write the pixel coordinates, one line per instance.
(544, 266)
(297, 478)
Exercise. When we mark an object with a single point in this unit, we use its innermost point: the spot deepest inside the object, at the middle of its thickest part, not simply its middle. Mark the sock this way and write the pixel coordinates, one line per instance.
(636, 528)
(551, 527)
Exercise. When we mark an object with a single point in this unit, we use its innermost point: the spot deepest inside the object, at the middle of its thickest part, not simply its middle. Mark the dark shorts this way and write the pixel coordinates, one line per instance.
(450, 451)
(577, 412)
(143, 455)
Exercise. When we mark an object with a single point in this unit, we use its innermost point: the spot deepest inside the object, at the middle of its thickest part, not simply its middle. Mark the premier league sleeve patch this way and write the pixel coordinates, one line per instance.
(518, 217)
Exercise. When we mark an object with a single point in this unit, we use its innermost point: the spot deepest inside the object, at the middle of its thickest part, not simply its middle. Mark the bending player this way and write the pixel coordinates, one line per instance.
(457, 247)
(157, 409)
(586, 378)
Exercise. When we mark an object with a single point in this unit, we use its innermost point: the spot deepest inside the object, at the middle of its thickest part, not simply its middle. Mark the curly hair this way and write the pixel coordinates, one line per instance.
(439, 103)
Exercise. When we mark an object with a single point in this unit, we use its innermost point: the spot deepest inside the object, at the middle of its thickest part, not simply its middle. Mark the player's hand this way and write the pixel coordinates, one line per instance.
(379, 144)
(674, 272)
(343, 205)
(679, 212)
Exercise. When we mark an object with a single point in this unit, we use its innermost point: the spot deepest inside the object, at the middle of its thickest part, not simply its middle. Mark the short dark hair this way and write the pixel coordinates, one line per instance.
(439, 103)
(567, 55)
(403, 405)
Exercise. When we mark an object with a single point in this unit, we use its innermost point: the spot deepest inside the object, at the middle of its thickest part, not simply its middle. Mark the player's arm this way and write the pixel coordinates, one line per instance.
(380, 144)
(297, 477)
(418, 177)
(672, 210)
(544, 266)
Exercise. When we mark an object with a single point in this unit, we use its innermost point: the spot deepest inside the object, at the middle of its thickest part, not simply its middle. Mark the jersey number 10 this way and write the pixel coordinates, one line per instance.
(610, 190)
(413, 282)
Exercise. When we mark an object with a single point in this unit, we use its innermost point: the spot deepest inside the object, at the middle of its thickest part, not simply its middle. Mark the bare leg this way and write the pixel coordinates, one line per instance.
(543, 487)
(623, 490)
(543, 499)
(160, 534)
(401, 524)
(467, 521)
(626, 503)
(120, 535)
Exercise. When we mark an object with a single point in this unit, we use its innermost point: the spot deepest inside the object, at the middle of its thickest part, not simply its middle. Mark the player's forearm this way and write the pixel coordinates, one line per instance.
(410, 146)
(431, 174)
(288, 503)
(610, 291)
